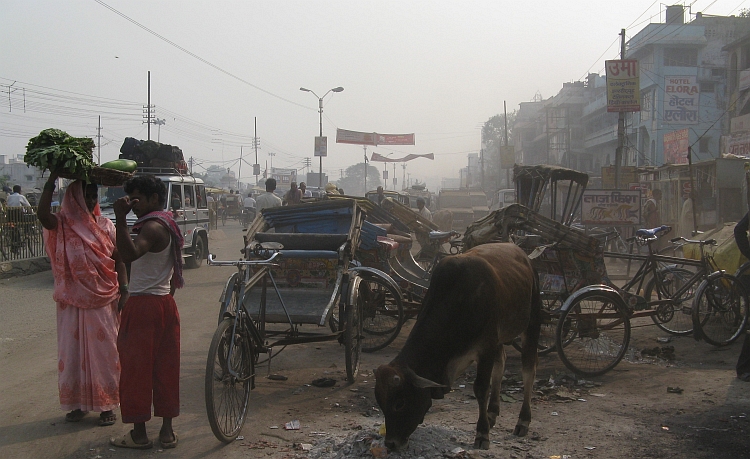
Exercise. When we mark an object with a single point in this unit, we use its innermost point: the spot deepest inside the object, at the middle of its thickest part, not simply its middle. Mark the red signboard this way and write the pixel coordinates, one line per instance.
(373, 138)
(676, 147)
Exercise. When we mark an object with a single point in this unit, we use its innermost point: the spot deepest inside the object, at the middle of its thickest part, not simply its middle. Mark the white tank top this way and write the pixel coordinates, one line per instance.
(151, 274)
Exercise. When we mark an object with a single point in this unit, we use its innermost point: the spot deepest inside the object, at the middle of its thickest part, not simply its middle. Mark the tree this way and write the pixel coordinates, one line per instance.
(353, 181)
(493, 136)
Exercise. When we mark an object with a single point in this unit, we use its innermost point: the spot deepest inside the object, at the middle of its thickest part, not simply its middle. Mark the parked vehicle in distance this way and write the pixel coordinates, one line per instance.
(504, 198)
(479, 204)
(402, 198)
(458, 203)
(416, 192)
(186, 199)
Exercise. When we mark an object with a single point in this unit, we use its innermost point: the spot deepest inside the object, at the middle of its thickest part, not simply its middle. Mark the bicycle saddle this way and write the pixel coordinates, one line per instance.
(650, 233)
(440, 234)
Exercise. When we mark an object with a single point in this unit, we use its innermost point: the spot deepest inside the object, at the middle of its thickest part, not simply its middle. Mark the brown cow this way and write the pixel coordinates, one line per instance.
(476, 301)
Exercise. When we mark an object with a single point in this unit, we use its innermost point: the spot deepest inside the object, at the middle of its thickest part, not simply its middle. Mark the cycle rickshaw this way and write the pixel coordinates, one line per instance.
(587, 319)
(297, 272)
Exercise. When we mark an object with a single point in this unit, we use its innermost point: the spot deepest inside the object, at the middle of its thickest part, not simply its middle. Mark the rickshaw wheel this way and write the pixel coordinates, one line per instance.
(546, 344)
(227, 396)
(669, 317)
(720, 310)
(593, 334)
(353, 338)
(382, 313)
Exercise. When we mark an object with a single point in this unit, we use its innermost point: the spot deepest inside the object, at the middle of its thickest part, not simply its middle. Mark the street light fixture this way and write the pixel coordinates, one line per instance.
(320, 111)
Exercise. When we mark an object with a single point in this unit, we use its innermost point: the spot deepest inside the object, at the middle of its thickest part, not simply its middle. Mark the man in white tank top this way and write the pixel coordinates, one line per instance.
(149, 338)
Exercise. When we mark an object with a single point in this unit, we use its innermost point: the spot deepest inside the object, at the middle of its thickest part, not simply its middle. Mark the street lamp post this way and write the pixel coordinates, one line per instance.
(320, 111)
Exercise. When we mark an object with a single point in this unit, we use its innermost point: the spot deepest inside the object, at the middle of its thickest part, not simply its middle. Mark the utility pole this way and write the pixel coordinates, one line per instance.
(403, 178)
(239, 172)
(620, 124)
(256, 144)
(99, 142)
(190, 163)
(149, 113)
(365, 148)
(507, 171)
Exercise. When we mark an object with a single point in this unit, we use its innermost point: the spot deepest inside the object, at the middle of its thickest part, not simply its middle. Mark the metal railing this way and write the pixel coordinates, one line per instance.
(20, 234)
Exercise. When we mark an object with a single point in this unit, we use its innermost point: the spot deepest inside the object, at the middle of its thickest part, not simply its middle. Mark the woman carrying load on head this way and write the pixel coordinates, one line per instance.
(91, 285)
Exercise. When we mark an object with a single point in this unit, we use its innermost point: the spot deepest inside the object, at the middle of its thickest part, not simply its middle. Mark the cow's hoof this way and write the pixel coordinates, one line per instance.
(482, 443)
(520, 430)
(492, 418)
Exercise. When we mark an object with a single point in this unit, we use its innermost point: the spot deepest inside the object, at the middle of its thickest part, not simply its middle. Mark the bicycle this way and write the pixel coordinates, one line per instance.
(593, 330)
(19, 237)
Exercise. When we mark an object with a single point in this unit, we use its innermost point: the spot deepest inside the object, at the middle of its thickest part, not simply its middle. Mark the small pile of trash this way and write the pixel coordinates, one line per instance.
(425, 442)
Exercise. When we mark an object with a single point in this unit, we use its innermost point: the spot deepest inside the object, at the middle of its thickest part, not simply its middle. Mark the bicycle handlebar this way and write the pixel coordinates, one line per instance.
(694, 241)
(214, 262)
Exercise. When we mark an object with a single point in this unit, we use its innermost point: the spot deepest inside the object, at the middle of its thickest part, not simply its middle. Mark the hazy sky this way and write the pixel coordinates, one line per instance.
(436, 68)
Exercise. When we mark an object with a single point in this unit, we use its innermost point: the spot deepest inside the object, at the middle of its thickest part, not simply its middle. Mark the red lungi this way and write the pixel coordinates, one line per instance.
(149, 344)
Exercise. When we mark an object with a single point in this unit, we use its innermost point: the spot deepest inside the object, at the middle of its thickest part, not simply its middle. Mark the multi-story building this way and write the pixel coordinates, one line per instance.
(683, 81)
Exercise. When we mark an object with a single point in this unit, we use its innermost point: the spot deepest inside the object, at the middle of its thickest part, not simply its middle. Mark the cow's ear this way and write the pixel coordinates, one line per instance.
(418, 381)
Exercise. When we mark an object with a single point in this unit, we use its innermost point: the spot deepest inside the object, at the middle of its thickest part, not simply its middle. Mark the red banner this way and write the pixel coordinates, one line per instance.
(373, 138)
(385, 159)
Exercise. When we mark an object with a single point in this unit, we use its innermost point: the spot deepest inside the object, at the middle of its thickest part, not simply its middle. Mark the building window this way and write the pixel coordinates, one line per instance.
(703, 144)
(646, 106)
(29, 178)
(719, 73)
(707, 86)
(680, 57)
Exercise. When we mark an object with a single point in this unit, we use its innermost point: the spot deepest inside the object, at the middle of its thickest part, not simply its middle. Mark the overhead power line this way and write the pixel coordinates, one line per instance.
(193, 55)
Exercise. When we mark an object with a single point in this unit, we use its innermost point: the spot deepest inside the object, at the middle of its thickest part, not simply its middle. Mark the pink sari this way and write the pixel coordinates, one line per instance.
(86, 292)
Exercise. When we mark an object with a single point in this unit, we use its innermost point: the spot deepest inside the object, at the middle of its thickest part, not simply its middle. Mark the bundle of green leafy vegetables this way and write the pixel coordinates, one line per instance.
(54, 149)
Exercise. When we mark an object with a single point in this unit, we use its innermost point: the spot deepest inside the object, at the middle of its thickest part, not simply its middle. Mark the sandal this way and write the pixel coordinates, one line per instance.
(169, 444)
(107, 418)
(75, 416)
(126, 441)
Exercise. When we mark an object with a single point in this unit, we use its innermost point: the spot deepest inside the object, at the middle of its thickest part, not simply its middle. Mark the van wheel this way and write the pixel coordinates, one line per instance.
(199, 253)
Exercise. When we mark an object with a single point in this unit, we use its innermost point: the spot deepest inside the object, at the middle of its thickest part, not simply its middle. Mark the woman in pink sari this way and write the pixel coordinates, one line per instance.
(90, 288)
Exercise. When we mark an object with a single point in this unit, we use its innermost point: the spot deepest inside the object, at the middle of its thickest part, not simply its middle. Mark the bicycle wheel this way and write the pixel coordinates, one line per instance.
(546, 344)
(382, 313)
(593, 334)
(227, 395)
(671, 317)
(353, 338)
(720, 310)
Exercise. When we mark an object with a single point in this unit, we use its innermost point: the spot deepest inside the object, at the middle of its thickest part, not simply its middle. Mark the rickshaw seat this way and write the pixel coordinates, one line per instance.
(305, 241)
(439, 234)
(326, 254)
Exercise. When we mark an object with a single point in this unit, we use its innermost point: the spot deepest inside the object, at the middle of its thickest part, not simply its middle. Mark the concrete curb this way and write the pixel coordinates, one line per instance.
(25, 267)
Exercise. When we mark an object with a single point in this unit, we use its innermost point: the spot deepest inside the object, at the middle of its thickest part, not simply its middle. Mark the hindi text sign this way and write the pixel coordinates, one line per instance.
(623, 86)
(681, 99)
(611, 207)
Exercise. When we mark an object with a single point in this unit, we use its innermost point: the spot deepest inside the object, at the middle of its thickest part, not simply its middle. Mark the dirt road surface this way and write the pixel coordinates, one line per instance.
(628, 413)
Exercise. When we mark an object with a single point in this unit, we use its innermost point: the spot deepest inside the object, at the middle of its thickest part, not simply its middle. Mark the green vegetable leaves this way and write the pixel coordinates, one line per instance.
(57, 150)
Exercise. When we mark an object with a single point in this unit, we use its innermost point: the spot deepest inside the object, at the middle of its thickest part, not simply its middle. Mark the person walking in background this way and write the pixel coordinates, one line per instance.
(268, 199)
(149, 340)
(305, 192)
(423, 211)
(381, 195)
(91, 286)
(293, 196)
(652, 216)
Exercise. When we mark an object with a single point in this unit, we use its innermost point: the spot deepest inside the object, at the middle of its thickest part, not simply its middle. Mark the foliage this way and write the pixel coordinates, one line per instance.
(744, 13)
(57, 150)
(493, 136)
(353, 181)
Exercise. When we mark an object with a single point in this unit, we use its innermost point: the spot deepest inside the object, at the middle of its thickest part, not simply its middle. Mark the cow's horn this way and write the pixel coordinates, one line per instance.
(418, 381)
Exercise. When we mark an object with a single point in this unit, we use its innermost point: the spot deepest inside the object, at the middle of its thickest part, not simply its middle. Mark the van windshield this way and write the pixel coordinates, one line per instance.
(109, 194)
